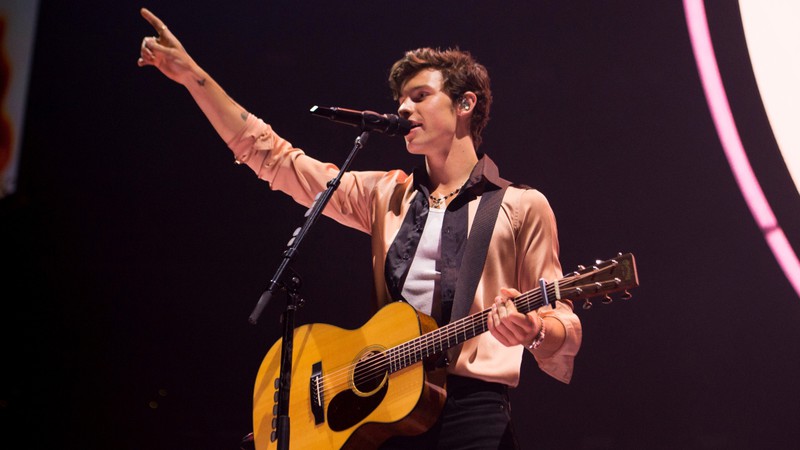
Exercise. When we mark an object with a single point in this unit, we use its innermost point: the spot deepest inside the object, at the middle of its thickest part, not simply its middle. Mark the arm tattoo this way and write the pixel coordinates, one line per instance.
(201, 81)
(244, 116)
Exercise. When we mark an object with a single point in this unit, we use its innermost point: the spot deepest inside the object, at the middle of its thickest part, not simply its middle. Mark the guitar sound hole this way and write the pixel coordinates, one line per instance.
(370, 373)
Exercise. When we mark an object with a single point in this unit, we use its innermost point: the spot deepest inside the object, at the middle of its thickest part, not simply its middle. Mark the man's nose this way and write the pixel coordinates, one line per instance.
(405, 109)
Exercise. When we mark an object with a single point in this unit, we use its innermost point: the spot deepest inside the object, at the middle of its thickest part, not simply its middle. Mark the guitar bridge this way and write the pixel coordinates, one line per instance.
(317, 394)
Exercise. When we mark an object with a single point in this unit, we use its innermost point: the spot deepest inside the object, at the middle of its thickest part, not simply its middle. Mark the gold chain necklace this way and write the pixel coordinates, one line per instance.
(437, 202)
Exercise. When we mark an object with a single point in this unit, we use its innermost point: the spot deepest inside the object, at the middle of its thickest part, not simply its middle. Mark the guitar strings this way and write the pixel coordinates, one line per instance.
(411, 352)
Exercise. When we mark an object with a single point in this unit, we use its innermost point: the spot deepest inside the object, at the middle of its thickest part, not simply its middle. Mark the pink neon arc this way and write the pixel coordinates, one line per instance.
(732, 144)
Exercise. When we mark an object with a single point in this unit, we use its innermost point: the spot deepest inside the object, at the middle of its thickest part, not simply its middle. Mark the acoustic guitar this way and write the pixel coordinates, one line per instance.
(356, 388)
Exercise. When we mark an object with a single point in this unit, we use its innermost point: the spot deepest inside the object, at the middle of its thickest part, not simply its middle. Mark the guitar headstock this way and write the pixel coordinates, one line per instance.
(601, 279)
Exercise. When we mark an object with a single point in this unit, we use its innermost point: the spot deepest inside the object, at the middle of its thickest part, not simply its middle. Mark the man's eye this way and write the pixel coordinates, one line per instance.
(421, 96)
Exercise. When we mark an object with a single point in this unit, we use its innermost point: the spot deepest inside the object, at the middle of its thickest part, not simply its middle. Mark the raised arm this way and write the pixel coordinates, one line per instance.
(165, 52)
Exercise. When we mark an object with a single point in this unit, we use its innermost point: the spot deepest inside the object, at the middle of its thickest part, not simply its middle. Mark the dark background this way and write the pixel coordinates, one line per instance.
(135, 250)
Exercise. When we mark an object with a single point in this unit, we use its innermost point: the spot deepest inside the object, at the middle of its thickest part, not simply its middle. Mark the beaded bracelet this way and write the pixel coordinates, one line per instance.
(537, 341)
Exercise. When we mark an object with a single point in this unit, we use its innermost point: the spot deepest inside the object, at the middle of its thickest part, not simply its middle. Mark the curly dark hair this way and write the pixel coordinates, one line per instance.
(461, 73)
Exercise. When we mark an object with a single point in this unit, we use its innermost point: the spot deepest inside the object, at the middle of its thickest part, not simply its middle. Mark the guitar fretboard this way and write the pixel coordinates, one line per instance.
(456, 332)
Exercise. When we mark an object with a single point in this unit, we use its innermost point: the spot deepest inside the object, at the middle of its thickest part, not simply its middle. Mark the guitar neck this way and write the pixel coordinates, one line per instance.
(605, 277)
(455, 333)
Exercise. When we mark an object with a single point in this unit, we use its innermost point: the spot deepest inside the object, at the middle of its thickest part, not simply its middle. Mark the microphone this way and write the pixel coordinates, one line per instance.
(389, 124)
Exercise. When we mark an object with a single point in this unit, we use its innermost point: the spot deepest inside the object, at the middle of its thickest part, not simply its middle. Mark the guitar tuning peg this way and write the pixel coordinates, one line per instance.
(607, 300)
(587, 304)
(581, 267)
(627, 295)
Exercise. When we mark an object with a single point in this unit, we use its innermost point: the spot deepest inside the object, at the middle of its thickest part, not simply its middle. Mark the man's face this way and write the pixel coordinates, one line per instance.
(422, 101)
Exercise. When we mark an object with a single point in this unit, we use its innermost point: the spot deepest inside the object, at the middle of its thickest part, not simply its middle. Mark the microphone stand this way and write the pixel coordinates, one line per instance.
(284, 382)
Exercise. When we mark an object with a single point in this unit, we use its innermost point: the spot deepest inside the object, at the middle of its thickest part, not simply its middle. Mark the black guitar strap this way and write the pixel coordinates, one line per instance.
(475, 254)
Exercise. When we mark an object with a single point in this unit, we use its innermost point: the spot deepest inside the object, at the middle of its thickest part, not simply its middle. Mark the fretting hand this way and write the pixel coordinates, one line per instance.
(508, 325)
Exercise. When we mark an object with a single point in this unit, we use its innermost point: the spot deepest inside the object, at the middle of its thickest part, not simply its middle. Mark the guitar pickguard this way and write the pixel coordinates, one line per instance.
(348, 408)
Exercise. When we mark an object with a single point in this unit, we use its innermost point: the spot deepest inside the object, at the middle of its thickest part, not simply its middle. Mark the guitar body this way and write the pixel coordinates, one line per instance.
(331, 403)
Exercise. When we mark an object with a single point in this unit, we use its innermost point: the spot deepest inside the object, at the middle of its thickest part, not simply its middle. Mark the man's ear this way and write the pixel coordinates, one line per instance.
(466, 103)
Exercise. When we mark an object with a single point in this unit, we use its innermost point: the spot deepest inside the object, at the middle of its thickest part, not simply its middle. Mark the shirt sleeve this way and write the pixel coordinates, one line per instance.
(539, 249)
(290, 170)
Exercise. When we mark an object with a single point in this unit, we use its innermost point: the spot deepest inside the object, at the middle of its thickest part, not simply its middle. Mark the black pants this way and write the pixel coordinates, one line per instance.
(476, 416)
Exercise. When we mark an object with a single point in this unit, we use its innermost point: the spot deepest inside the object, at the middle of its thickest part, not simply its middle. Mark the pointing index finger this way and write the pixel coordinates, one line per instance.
(153, 19)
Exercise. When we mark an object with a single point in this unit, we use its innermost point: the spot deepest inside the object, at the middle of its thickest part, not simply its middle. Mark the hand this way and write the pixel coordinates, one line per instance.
(165, 52)
(508, 325)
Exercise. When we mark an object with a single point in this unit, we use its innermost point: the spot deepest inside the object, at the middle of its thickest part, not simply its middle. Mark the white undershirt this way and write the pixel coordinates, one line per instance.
(422, 289)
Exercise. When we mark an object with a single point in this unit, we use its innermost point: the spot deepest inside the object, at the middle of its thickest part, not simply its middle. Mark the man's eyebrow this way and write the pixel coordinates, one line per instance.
(411, 89)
